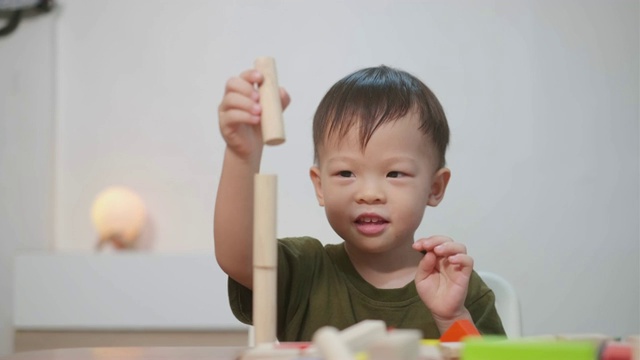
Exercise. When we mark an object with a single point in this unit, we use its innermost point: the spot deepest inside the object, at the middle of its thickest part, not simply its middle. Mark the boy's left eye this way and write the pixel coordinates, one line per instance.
(395, 174)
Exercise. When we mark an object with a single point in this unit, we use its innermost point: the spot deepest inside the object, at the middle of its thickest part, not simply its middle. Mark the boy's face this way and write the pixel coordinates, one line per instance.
(375, 199)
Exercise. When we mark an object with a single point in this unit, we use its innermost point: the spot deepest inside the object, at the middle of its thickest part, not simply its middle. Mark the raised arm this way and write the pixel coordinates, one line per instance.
(239, 115)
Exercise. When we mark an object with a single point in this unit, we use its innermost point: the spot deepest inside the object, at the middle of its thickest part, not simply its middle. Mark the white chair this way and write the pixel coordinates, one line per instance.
(507, 303)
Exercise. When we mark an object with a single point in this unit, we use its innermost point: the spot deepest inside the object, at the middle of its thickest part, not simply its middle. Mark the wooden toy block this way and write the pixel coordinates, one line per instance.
(433, 349)
(430, 350)
(459, 330)
(265, 253)
(616, 351)
(265, 245)
(265, 249)
(482, 349)
(272, 123)
(330, 345)
(451, 350)
(359, 336)
(401, 344)
(264, 305)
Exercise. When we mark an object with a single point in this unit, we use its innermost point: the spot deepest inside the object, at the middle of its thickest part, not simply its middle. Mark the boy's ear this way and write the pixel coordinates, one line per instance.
(438, 186)
(314, 173)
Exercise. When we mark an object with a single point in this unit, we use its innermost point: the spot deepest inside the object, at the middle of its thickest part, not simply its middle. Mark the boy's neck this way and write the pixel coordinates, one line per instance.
(389, 270)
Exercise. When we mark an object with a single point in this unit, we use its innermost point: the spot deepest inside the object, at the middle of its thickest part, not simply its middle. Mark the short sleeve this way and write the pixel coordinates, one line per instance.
(297, 258)
(481, 303)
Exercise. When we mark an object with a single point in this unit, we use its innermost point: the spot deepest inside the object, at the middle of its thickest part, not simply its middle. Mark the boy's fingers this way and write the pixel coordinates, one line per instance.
(252, 76)
(236, 117)
(461, 259)
(285, 98)
(234, 100)
(450, 248)
(241, 86)
(426, 266)
(461, 262)
(430, 243)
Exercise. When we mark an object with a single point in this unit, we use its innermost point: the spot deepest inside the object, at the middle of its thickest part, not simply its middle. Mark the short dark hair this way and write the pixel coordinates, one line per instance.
(375, 96)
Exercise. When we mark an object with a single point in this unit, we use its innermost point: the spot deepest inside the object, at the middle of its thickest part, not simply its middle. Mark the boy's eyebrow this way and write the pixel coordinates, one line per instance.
(339, 158)
(390, 159)
(398, 158)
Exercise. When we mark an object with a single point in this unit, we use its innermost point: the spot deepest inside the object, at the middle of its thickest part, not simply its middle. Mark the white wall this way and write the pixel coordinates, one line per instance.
(26, 159)
(542, 99)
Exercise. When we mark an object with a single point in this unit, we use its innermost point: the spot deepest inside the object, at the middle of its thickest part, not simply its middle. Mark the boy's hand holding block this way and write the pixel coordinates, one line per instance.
(459, 330)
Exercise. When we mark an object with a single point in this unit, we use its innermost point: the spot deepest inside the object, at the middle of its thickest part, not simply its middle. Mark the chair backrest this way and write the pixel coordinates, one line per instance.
(507, 303)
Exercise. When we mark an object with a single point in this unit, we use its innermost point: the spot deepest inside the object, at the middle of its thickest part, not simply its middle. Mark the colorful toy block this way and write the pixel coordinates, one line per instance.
(459, 330)
(475, 349)
(616, 351)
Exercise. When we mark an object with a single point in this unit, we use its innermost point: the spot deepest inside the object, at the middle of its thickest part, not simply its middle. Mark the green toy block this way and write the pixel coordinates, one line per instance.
(528, 350)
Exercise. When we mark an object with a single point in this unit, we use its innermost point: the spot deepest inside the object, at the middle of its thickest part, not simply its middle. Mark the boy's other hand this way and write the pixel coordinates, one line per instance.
(239, 113)
(443, 277)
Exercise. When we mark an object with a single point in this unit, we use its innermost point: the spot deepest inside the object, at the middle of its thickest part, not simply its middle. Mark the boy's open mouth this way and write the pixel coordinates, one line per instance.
(370, 224)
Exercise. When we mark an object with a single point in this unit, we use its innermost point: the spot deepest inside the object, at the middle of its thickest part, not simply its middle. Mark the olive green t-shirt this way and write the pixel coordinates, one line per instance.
(318, 286)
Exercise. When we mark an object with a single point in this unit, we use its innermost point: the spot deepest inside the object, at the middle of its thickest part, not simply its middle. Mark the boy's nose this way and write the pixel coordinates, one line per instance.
(370, 193)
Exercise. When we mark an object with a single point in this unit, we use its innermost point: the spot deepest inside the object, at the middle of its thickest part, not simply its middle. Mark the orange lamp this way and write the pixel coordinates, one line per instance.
(119, 215)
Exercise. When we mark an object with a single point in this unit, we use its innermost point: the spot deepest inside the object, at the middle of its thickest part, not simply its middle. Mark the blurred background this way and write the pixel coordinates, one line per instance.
(541, 97)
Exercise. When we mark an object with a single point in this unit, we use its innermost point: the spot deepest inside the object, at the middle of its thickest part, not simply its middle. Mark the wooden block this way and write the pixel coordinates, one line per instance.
(264, 305)
(265, 248)
(331, 346)
(272, 122)
(430, 350)
(614, 350)
(451, 350)
(482, 349)
(359, 336)
(459, 330)
(265, 259)
(400, 344)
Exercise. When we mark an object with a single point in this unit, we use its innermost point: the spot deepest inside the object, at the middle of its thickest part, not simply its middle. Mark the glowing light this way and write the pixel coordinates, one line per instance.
(119, 215)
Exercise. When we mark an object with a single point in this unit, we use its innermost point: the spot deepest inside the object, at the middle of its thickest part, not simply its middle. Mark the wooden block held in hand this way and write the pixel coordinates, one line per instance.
(272, 122)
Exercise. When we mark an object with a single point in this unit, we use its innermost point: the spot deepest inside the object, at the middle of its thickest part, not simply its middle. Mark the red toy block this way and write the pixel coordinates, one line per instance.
(617, 351)
(459, 330)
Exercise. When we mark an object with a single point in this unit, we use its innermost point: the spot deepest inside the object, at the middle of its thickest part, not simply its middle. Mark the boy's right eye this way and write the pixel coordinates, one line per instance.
(345, 173)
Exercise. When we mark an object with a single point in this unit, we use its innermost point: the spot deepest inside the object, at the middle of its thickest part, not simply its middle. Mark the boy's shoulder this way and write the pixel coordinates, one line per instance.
(302, 243)
(307, 251)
